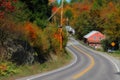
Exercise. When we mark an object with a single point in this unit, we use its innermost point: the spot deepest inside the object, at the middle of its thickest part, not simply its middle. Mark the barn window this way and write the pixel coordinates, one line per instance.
(94, 37)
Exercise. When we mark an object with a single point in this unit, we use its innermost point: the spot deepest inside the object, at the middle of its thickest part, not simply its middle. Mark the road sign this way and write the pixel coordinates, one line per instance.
(113, 44)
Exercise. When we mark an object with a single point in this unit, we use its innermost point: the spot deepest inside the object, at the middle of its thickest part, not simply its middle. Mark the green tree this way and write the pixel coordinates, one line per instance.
(97, 4)
(112, 28)
(68, 14)
(21, 12)
(95, 20)
(87, 22)
(82, 25)
(40, 11)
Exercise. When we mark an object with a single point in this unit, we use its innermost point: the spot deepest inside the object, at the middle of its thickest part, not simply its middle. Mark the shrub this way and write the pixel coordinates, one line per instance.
(54, 38)
(7, 69)
(105, 44)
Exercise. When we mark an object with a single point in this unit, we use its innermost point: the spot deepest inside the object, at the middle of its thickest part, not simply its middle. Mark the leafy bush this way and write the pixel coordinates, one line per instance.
(105, 44)
(8, 68)
(51, 31)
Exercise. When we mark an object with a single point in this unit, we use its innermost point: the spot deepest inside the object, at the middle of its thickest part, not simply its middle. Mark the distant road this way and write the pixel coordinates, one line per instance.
(89, 65)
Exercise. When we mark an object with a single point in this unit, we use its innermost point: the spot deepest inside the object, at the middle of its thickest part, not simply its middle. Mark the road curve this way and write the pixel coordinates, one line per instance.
(88, 66)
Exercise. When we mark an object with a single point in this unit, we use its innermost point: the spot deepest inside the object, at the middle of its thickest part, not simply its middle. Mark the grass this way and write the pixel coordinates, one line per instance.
(37, 68)
(115, 54)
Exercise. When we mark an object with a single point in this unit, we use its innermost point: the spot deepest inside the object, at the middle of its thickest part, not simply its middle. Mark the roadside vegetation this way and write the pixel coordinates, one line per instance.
(28, 40)
(28, 70)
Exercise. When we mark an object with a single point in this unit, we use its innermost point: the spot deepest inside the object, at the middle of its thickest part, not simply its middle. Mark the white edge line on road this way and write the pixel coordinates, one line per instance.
(106, 56)
(116, 66)
(65, 67)
(118, 70)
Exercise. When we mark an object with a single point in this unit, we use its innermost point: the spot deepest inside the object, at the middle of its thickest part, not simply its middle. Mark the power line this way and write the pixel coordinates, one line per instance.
(54, 13)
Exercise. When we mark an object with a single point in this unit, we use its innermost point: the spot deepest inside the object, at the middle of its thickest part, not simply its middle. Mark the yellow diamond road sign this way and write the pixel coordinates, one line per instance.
(113, 44)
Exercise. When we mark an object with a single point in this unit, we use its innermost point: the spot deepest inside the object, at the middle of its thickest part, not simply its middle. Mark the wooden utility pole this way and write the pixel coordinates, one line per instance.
(61, 25)
(61, 14)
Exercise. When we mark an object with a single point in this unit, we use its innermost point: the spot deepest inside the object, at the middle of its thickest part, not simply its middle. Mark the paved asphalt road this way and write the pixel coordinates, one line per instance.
(88, 66)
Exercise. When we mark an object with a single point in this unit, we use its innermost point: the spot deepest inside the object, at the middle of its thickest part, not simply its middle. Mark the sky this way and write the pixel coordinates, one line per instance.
(60, 0)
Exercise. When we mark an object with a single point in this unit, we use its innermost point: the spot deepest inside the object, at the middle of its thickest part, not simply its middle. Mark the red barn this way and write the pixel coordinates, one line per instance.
(94, 38)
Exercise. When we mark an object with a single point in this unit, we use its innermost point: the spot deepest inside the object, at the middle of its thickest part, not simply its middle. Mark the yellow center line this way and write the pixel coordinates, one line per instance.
(88, 68)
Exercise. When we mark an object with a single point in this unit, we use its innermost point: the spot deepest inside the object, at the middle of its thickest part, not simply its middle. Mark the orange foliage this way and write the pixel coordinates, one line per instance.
(118, 19)
(30, 31)
(3, 67)
(58, 36)
(82, 6)
(108, 10)
(78, 8)
(111, 5)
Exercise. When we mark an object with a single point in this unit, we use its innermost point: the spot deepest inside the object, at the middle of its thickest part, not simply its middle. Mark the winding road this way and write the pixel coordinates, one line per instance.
(87, 65)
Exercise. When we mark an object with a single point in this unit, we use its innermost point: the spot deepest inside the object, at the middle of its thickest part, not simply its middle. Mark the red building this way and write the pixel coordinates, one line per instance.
(94, 38)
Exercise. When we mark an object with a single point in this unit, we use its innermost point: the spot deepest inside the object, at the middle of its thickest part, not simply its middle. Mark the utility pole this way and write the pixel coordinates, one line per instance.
(61, 14)
(61, 25)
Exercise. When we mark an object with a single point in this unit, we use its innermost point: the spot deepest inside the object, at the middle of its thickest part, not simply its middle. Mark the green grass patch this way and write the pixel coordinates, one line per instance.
(38, 68)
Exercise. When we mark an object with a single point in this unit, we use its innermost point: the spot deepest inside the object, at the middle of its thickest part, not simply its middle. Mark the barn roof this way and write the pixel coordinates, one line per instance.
(90, 34)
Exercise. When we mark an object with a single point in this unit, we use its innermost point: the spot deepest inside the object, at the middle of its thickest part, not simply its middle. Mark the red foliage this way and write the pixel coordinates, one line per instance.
(85, 7)
(14, 0)
(6, 6)
(54, 9)
(1, 14)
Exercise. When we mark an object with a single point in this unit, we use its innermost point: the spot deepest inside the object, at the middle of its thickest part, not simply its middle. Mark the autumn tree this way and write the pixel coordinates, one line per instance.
(5, 8)
(82, 25)
(112, 27)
